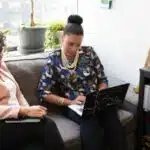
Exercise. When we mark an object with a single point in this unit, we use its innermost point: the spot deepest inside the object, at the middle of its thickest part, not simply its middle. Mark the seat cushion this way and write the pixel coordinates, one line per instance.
(127, 119)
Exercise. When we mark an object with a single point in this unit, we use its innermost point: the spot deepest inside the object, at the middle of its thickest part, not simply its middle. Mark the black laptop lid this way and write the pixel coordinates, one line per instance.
(100, 100)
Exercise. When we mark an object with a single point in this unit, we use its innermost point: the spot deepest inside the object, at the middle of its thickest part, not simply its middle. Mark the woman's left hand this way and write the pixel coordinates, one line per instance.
(79, 100)
(102, 86)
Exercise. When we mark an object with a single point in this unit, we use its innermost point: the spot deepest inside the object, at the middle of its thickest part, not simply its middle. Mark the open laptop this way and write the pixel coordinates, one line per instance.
(100, 100)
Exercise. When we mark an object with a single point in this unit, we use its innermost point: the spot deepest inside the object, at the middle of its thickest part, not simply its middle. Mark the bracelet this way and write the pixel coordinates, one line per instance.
(60, 101)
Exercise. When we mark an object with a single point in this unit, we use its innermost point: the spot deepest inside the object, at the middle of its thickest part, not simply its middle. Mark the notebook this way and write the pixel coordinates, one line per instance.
(100, 100)
(23, 120)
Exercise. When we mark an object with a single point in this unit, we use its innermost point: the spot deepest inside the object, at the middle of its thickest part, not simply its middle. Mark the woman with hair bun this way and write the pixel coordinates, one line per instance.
(78, 71)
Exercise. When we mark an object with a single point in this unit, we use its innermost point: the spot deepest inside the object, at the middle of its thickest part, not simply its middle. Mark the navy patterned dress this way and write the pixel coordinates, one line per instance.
(88, 74)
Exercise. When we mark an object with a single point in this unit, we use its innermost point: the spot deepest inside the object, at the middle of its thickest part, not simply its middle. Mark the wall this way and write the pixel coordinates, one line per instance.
(120, 36)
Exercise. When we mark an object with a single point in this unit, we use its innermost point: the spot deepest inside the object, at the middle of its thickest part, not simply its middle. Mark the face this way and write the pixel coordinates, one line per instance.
(71, 44)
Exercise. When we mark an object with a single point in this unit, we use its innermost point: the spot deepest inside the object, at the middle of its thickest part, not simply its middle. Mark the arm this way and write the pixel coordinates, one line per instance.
(21, 98)
(99, 69)
(52, 98)
(46, 83)
(5, 110)
(9, 111)
(16, 111)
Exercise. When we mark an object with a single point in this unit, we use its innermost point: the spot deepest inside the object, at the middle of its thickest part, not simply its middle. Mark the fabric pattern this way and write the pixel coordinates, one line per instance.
(84, 79)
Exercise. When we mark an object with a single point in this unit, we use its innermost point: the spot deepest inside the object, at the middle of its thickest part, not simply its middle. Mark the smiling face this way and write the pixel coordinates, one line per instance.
(71, 44)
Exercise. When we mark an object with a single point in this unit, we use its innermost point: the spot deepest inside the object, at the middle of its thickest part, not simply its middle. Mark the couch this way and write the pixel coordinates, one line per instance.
(26, 70)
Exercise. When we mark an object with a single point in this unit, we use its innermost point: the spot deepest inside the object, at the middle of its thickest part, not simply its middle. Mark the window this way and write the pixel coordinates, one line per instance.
(17, 12)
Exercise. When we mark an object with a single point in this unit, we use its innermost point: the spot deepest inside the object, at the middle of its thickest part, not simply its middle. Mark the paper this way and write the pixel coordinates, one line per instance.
(77, 108)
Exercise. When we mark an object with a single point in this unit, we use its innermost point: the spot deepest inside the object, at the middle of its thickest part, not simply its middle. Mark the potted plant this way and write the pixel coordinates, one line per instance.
(53, 35)
(32, 37)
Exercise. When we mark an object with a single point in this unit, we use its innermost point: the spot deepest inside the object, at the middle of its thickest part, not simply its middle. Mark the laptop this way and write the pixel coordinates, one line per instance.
(100, 100)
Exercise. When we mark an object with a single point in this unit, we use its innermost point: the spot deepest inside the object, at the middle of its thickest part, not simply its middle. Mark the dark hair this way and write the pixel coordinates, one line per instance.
(2, 40)
(74, 25)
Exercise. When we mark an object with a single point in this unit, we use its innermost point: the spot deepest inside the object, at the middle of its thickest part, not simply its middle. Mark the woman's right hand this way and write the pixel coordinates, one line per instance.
(33, 111)
(79, 100)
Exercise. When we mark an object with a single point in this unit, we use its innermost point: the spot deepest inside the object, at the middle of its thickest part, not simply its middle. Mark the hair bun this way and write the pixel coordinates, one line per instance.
(76, 19)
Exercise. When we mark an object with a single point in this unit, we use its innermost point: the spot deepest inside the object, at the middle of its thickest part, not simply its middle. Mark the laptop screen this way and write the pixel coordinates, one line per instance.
(104, 99)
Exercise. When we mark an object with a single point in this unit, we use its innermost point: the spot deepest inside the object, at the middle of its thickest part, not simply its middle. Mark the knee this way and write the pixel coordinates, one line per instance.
(90, 127)
(49, 122)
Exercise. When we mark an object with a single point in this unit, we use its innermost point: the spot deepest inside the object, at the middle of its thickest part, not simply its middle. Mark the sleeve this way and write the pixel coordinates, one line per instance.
(9, 111)
(47, 80)
(21, 98)
(98, 67)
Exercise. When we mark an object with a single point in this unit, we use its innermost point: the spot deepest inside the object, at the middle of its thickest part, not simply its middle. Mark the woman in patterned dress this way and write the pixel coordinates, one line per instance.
(78, 71)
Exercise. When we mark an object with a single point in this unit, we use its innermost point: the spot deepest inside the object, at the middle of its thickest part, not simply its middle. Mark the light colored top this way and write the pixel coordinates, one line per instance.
(11, 97)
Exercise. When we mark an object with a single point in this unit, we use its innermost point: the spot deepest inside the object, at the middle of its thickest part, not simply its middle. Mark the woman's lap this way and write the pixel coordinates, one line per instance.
(89, 130)
(14, 135)
(100, 128)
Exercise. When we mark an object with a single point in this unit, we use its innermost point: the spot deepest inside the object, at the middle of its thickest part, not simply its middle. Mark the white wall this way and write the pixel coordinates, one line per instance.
(120, 36)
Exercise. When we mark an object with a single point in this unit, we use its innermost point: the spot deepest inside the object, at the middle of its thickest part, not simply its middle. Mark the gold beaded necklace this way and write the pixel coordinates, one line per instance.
(66, 63)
